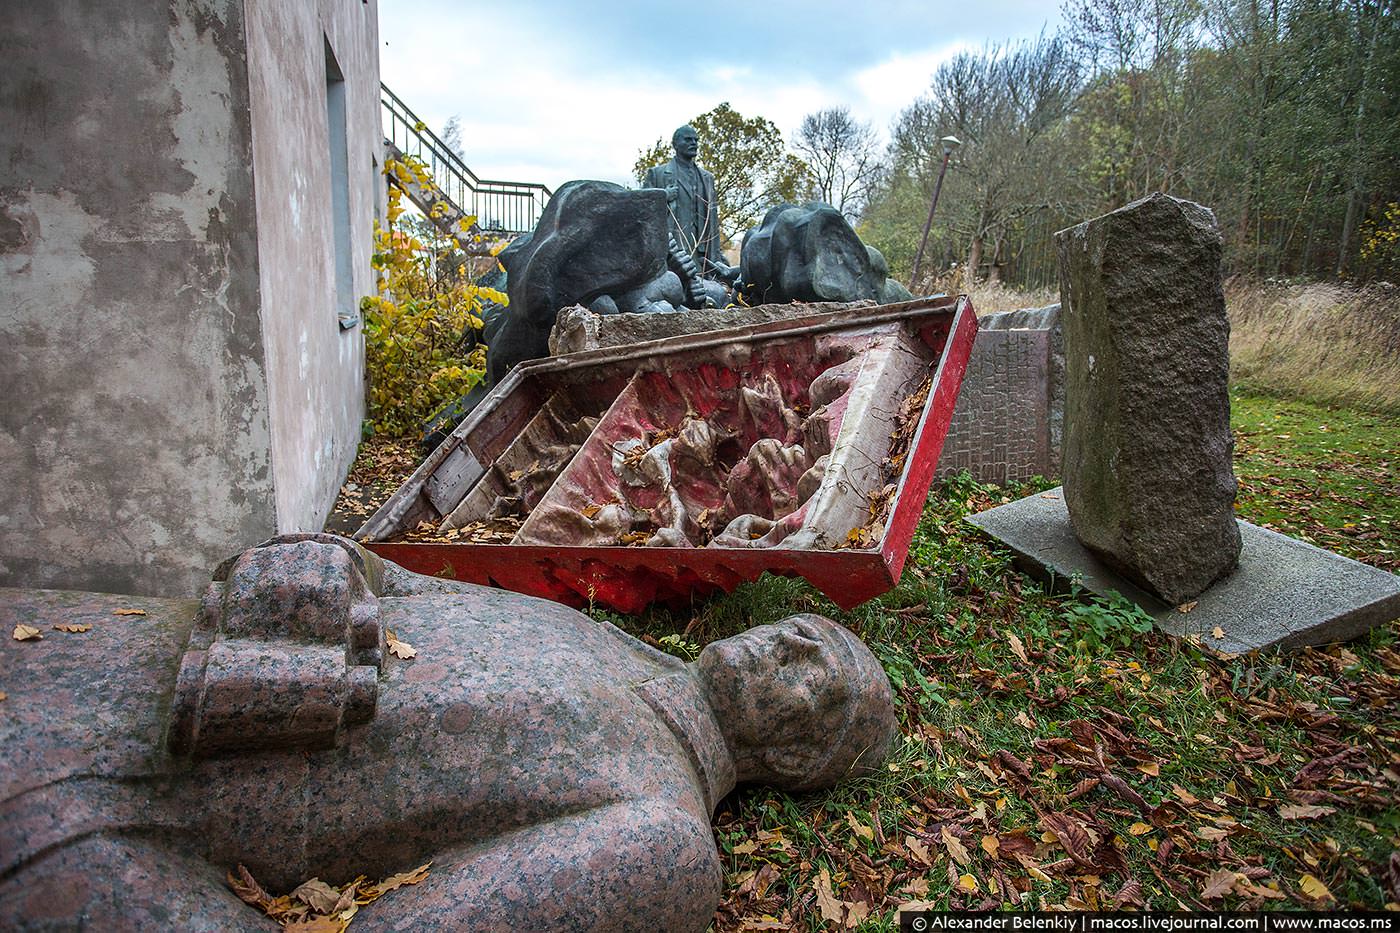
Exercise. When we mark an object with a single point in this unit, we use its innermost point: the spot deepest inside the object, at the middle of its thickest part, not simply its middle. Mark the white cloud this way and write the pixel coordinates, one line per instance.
(888, 87)
(541, 101)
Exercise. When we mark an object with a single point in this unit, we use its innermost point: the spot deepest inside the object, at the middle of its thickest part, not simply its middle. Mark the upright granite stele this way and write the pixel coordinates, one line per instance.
(1148, 479)
(1146, 506)
(559, 773)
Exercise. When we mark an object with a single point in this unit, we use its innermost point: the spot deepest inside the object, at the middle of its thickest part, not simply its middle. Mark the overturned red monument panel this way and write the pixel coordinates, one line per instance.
(681, 467)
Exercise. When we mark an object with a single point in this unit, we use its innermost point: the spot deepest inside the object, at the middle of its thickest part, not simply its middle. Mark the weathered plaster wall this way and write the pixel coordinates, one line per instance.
(314, 368)
(135, 443)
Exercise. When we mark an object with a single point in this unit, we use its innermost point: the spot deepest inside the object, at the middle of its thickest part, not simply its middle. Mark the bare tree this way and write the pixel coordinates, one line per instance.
(1008, 105)
(452, 134)
(842, 156)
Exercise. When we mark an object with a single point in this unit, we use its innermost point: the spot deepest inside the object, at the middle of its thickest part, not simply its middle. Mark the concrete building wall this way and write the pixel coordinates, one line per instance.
(133, 391)
(174, 384)
(314, 366)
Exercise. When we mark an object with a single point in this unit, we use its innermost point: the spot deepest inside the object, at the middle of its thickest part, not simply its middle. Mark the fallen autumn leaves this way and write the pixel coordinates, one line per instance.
(317, 907)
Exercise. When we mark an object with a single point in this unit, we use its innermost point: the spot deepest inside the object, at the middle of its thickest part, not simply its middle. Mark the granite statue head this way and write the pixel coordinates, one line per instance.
(803, 703)
(686, 141)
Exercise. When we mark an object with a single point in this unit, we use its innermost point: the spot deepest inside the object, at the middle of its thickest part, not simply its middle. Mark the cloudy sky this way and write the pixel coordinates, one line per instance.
(552, 90)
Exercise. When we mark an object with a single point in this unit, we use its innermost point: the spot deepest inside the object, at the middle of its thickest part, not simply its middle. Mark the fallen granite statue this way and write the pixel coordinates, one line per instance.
(559, 774)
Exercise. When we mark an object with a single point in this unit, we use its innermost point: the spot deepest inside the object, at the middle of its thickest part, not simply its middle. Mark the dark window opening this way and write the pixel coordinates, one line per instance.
(337, 145)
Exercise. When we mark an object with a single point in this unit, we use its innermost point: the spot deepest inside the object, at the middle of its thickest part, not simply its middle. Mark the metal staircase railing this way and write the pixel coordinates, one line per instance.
(500, 207)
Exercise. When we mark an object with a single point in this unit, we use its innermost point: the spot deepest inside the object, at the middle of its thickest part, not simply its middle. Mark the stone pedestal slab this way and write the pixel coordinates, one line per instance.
(1285, 593)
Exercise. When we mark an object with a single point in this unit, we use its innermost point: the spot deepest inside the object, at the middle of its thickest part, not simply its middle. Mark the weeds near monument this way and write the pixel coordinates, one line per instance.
(1086, 763)
(1108, 623)
(1329, 343)
(421, 346)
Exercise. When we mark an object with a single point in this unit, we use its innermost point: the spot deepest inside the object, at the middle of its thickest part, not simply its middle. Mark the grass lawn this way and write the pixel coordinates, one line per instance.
(1056, 753)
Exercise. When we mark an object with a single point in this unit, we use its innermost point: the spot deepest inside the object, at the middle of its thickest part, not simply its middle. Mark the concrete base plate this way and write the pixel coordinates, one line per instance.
(1284, 594)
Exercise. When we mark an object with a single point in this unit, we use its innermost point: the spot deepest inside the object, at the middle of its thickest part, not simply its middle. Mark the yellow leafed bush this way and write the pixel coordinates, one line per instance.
(416, 358)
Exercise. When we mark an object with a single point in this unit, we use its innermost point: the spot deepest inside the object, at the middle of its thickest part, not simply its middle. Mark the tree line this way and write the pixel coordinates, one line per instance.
(1281, 115)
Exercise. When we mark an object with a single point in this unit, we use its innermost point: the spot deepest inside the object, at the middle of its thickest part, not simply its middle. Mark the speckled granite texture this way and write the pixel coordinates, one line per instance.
(559, 773)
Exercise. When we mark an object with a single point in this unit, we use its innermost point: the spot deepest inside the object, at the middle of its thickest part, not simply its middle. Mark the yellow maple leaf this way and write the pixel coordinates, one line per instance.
(1314, 888)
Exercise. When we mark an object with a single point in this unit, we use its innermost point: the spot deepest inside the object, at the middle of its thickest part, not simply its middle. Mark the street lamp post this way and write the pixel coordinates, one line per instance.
(949, 144)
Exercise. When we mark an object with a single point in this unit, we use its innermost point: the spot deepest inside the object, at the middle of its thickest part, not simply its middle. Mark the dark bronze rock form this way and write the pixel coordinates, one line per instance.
(1148, 479)
(810, 253)
(595, 238)
(560, 774)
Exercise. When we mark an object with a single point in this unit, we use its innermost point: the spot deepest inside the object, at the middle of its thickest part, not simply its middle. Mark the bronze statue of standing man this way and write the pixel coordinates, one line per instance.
(690, 194)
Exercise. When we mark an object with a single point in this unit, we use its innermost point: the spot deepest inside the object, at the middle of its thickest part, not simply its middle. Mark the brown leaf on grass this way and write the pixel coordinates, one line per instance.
(918, 850)
(1082, 788)
(1011, 845)
(317, 895)
(1072, 836)
(1005, 885)
(991, 845)
(72, 627)
(1290, 811)
(27, 633)
(856, 911)
(859, 828)
(1125, 791)
(128, 612)
(1129, 895)
(1017, 648)
(1220, 883)
(827, 901)
(242, 883)
(399, 649)
(955, 847)
(1020, 771)
(1149, 768)
(1032, 867)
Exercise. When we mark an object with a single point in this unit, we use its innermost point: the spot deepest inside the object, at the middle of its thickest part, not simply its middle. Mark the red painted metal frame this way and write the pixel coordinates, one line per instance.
(629, 579)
